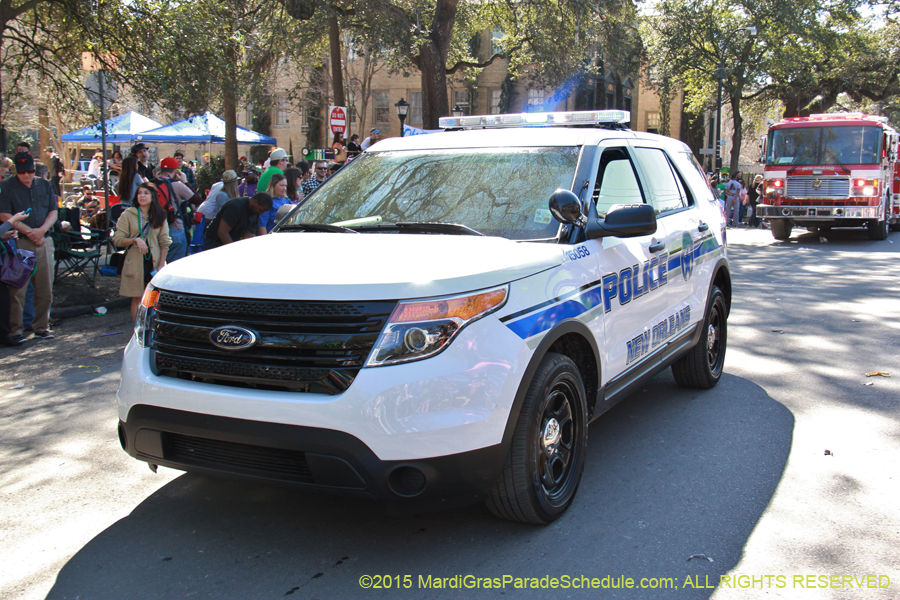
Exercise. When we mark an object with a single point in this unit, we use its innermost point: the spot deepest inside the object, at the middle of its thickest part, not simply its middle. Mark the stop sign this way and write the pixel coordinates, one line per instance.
(338, 119)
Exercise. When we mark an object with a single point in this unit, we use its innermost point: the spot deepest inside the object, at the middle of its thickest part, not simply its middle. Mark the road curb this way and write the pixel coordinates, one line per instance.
(86, 309)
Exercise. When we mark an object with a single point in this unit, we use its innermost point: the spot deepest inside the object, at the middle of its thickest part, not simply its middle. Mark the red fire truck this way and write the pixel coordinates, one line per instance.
(831, 170)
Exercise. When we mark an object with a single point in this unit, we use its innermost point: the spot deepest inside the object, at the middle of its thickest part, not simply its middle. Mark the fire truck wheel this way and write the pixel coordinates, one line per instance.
(895, 226)
(878, 230)
(781, 229)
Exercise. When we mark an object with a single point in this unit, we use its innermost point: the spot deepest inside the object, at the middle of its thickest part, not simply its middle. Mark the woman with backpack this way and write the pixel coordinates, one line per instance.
(142, 229)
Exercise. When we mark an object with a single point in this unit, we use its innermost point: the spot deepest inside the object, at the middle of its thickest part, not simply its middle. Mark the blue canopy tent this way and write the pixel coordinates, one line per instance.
(121, 129)
(201, 129)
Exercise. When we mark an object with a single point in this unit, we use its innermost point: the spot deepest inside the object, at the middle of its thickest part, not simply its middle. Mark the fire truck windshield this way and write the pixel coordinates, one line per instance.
(844, 145)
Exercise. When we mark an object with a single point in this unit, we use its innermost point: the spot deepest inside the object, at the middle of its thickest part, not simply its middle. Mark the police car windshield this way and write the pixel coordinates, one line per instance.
(844, 145)
(496, 192)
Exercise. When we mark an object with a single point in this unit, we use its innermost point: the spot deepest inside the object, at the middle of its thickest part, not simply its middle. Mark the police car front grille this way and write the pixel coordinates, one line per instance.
(284, 465)
(316, 347)
(817, 187)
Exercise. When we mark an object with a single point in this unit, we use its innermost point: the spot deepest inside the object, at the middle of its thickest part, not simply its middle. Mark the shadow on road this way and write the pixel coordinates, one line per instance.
(671, 473)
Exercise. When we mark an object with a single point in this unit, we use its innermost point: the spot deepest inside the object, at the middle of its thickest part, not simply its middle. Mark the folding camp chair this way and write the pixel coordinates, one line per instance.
(77, 252)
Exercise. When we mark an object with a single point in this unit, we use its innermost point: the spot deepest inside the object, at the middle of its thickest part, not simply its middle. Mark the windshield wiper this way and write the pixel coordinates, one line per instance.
(439, 227)
(322, 227)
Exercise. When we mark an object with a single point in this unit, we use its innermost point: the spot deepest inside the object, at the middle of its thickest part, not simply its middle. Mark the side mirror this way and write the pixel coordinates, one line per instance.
(566, 208)
(629, 221)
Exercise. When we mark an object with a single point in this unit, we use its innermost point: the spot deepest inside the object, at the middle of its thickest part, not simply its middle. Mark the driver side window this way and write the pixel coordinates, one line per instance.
(617, 184)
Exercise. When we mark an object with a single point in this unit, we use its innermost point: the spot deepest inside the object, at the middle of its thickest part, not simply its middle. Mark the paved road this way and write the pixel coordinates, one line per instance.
(738, 474)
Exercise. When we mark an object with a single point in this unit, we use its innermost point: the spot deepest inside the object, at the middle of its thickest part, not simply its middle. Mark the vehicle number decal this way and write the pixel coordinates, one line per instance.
(577, 252)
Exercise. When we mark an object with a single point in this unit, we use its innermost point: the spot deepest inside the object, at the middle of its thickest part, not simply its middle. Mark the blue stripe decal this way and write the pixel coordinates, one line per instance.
(674, 261)
(545, 320)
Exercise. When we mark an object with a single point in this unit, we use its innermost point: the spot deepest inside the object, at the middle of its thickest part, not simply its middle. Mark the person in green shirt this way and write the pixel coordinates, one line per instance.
(278, 160)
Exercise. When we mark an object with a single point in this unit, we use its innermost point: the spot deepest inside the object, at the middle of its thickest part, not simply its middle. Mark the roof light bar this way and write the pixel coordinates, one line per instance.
(583, 117)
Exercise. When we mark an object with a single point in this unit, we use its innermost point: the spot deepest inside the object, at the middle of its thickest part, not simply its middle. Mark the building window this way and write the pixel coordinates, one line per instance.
(461, 99)
(415, 108)
(653, 122)
(249, 116)
(535, 101)
(382, 109)
(304, 124)
(495, 102)
(496, 36)
(282, 110)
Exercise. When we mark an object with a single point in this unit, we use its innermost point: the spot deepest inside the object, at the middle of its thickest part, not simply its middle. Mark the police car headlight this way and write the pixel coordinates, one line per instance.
(422, 328)
(146, 314)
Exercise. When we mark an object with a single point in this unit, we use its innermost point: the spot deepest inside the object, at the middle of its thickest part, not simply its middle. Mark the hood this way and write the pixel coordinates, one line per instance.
(367, 266)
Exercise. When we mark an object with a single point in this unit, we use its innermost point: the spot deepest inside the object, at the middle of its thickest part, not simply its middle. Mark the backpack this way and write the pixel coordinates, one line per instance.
(174, 207)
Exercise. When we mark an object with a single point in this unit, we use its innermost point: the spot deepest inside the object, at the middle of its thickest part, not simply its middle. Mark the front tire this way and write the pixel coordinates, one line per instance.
(702, 366)
(781, 229)
(546, 458)
(879, 230)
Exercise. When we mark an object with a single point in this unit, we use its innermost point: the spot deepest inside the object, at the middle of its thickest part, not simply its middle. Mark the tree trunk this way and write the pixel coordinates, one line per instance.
(229, 110)
(229, 114)
(43, 134)
(337, 79)
(433, 64)
(736, 135)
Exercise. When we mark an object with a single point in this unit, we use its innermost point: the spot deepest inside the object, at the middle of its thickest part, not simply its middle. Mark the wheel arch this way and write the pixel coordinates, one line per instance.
(573, 339)
(722, 280)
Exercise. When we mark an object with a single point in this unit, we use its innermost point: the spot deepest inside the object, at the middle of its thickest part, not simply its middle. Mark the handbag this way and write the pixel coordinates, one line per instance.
(16, 266)
(745, 197)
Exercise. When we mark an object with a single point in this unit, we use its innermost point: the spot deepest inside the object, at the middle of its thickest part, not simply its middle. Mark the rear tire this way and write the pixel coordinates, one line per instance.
(781, 229)
(702, 366)
(546, 458)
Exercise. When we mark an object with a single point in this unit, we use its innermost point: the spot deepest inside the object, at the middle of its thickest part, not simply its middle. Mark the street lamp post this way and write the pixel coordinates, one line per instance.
(457, 111)
(720, 75)
(402, 110)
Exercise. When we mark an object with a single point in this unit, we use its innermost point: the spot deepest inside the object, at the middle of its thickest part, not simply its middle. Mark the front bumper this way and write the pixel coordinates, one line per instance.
(304, 457)
(823, 213)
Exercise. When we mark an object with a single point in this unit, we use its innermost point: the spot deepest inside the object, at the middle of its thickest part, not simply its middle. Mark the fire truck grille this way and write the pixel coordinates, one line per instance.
(817, 187)
(316, 347)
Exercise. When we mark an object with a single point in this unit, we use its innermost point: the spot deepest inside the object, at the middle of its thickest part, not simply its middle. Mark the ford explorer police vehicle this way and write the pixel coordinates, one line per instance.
(440, 322)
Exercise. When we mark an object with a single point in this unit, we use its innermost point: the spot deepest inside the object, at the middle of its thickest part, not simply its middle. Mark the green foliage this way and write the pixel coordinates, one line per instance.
(208, 174)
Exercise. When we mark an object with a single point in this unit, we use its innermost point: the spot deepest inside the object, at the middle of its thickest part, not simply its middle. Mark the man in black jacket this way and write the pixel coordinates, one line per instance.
(19, 193)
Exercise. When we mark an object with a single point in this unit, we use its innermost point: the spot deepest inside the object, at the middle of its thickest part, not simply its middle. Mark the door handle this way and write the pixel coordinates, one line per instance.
(703, 226)
(657, 247)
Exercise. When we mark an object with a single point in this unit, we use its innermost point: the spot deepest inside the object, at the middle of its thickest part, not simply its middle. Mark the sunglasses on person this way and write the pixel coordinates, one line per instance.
(317, 169)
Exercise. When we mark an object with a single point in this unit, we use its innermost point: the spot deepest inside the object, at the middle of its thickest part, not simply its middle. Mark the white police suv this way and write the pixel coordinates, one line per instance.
(439, 323)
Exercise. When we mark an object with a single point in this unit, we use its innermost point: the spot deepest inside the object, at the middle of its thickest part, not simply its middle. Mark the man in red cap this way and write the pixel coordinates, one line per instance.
(171, 184)
(19, 193)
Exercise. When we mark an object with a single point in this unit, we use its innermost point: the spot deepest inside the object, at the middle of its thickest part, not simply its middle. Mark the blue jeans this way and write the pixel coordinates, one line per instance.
(178, 249)
(28, 310)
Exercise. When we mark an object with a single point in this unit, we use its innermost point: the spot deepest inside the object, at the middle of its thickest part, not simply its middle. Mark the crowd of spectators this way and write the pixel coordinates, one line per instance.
(160, 209)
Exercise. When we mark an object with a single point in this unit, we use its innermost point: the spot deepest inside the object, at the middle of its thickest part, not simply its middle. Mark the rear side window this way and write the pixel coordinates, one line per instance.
(617, 183)
(665, 191)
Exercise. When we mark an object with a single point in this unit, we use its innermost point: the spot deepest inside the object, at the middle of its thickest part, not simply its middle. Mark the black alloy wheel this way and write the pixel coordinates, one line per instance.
(702, 366)
(546, 459)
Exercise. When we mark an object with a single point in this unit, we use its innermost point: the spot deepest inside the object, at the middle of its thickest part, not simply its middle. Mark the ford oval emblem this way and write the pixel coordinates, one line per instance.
(231, 337)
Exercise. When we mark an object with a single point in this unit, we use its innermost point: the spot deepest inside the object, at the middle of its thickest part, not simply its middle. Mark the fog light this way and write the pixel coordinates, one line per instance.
(786, 212)
(407, 481)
